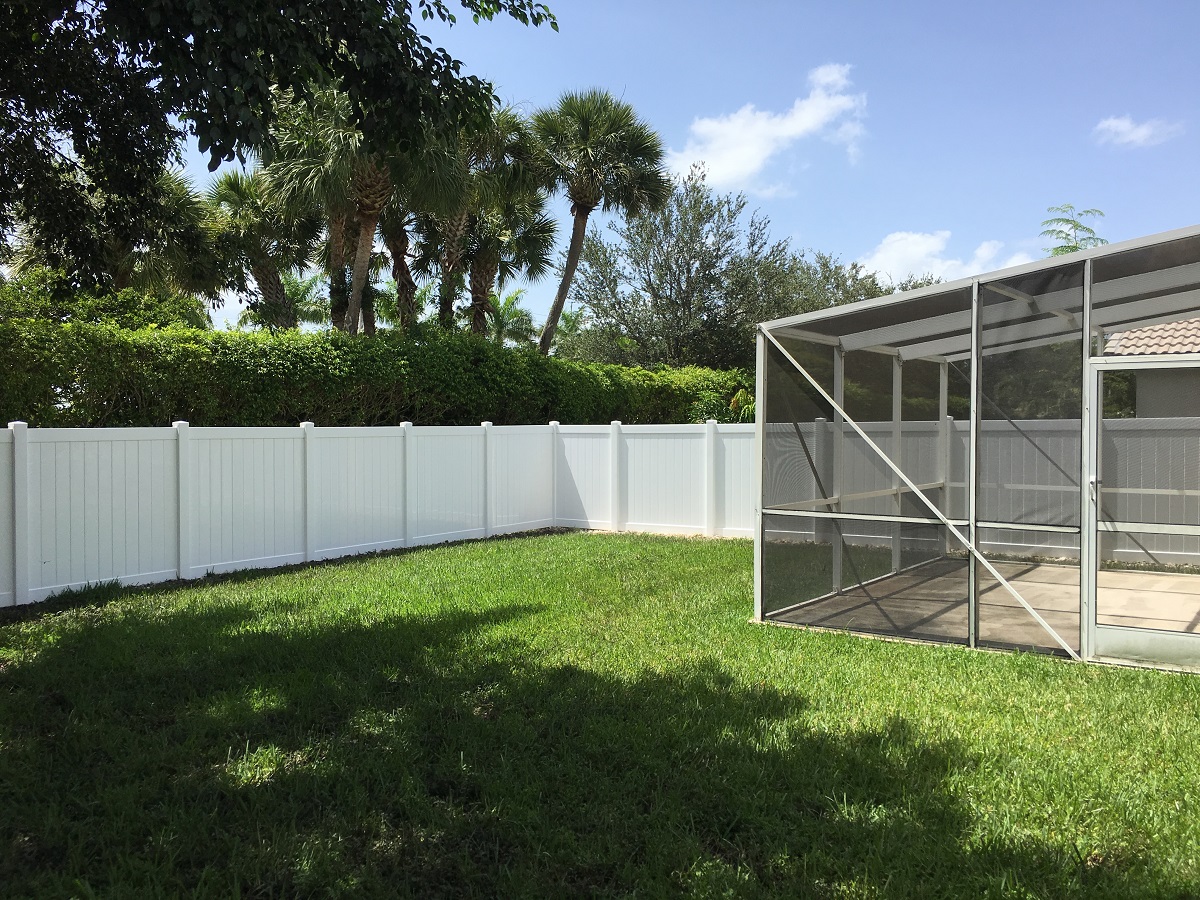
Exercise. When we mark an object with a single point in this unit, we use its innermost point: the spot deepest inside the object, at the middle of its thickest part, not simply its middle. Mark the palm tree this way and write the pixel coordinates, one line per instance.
(269, 239)
(493, 163)
(316, 155)
(512, 238)
(600, 154)
(511, 323)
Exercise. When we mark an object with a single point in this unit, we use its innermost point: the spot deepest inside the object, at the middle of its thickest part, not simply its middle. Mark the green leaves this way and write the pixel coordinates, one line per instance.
(83, 375)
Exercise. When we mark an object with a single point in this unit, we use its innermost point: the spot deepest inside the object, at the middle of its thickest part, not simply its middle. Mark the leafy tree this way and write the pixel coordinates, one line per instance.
(600, 154)
(686, 284)
(92, 93)
(1069, 230)
(49, 296)
(177, 252)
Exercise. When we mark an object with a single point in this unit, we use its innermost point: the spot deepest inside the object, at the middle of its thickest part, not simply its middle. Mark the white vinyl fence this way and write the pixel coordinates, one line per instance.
(139, 505)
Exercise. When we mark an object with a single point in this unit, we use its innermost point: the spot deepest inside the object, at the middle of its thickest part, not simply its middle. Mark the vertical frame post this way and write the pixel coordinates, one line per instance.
(22, 569)
(308, 435)
(897, 455)
(488, 477)
(710, 478)
(409, 467)
(839, 442)
(945, 462)
(184, 498)
(760, 449)
(973, 467)
(614, 458)
(1089, 494)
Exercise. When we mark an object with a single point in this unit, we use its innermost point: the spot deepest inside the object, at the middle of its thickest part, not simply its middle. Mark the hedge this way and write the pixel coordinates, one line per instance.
(93, 375)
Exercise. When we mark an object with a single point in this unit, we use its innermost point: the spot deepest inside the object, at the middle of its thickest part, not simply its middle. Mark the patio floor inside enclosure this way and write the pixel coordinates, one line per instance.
(961, 464)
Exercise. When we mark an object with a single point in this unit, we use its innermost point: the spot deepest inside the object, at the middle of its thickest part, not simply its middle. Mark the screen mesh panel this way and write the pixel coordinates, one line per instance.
(896, 579)
(1150, 465)
(1149, 581)
(798, 432)
(1030, 406)
(1044, 569)
(797, 561)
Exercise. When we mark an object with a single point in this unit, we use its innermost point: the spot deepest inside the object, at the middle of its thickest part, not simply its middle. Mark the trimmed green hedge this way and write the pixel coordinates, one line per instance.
(77, 375)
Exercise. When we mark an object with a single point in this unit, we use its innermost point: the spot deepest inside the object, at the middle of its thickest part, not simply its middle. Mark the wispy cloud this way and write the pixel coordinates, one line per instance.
(904, 253)
(735, 148)
(1124, 132)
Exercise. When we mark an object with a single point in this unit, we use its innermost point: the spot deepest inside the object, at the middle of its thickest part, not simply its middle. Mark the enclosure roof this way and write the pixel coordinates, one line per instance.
(1136, 283)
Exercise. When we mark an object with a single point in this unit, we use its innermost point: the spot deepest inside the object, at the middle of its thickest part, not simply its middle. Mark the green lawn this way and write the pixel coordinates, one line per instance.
(568, 714)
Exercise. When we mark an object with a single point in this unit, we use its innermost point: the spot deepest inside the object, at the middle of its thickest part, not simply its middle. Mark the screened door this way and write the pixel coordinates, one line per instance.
(1145, 499)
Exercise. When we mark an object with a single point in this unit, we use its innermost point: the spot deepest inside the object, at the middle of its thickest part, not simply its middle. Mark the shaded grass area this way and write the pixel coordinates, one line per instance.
(571, 714)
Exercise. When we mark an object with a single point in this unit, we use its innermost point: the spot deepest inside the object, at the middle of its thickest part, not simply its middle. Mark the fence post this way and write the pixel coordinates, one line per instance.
(710, 486)
(308, 435)
(184, 483)
(20, 510)
(614, 456)
(407, 467)
(822, 451)
(554, 439)
(488, 477)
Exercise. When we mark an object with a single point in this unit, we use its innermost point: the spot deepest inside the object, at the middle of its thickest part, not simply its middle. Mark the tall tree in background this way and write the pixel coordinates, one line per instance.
(1069, 230)
(600, 154)
(506, 239)
(176, 253)
(685, 285)
(495, 162)
(263, 236)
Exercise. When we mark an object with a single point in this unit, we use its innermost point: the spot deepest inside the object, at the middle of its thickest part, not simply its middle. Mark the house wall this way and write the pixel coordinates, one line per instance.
(1168, 392)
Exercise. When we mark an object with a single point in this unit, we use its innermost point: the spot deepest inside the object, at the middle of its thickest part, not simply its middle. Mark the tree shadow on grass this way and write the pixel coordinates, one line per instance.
(430, 755)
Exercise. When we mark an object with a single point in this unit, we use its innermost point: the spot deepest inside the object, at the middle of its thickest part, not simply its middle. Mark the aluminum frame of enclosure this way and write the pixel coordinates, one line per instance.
(973, 328)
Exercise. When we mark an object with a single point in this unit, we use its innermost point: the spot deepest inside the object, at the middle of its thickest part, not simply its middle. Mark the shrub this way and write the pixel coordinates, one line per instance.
(84, 374)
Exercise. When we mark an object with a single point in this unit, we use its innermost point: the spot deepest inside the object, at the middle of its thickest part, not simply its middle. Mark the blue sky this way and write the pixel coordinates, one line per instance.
(917, 137)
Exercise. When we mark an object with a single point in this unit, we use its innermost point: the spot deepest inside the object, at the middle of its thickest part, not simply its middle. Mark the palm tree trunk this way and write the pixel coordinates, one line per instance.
(339, 290)
(362, 267)
(406, 285)
(483, 276)
(277, 308)
(578, 230)
(453, 230)
(368, 313)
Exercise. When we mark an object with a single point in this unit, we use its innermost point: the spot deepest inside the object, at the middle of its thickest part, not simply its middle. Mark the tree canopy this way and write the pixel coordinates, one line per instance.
(94, 96)
(686, 284)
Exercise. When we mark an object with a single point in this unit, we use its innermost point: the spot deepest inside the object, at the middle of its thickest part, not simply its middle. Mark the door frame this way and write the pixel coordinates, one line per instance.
(1110, 642)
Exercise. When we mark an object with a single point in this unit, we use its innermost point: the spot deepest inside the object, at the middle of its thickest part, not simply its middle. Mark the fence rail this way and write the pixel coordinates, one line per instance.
(140, 505)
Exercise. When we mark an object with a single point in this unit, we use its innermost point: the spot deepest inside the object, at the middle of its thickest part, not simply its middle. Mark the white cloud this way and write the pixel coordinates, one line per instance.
(735, 148)
(904, 253)
(1124, 132)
